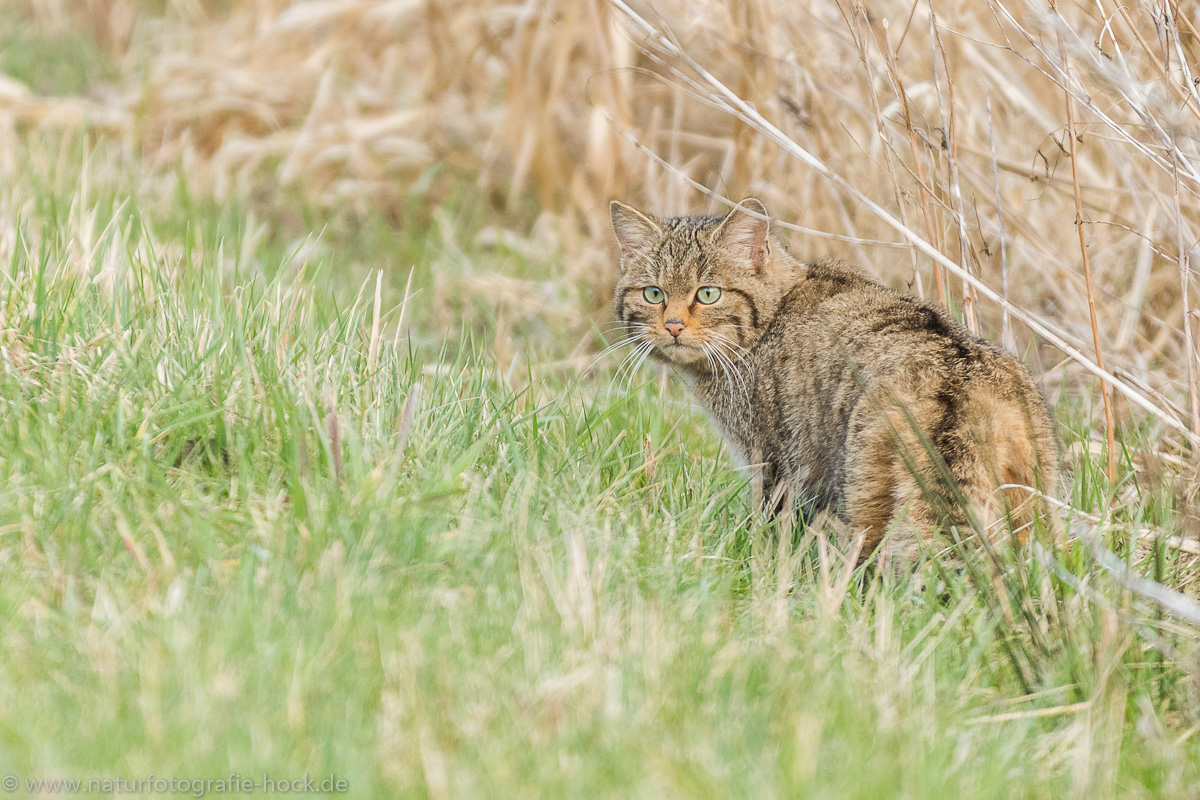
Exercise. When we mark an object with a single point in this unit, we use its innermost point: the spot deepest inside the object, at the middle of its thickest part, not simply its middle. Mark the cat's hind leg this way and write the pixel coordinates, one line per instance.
(891, 484)
(872, 476)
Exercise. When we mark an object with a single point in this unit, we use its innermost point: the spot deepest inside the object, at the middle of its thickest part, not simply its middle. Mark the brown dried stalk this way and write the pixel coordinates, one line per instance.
(1073, 146)
(860, 40)
(1184, 292)
(1006, 336)
(939, 281)
(970, 314)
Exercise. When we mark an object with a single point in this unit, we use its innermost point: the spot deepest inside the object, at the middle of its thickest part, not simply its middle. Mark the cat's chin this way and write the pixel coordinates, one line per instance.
(680, 354)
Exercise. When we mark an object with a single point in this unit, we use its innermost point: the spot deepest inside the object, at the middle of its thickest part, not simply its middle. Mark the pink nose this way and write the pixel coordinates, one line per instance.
(674, 327)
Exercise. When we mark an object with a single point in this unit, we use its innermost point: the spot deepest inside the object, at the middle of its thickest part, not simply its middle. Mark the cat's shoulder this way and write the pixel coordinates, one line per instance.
(844, 296)
(819, 281)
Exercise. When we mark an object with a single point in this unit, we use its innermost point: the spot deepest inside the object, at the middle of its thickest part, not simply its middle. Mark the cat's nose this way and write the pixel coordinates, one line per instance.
(674, 327)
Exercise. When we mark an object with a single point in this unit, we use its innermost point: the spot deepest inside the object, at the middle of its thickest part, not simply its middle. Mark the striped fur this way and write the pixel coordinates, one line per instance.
(845, 395)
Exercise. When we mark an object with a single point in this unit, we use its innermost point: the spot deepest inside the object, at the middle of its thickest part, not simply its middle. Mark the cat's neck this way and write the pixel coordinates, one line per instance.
(726, 392)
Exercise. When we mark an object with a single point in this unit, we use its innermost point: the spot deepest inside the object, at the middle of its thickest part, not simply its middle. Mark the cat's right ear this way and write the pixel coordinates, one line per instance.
(635, 231)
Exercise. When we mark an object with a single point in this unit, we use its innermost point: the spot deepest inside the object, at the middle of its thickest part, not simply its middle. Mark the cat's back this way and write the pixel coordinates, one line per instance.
(844, 346)
(845, 320)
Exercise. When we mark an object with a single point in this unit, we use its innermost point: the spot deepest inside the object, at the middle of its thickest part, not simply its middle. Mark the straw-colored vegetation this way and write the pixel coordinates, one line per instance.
(306, 465)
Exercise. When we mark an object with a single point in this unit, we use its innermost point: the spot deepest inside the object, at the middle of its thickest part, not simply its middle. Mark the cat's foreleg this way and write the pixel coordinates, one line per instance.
(772, 496)
(758, 481)
(763, 484)
(781, 507)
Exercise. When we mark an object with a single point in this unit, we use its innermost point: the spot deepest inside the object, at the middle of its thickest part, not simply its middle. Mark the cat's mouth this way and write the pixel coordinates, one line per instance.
(679, 352)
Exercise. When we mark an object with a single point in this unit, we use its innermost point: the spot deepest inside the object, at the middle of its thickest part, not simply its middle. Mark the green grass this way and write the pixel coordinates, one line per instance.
(223, 549)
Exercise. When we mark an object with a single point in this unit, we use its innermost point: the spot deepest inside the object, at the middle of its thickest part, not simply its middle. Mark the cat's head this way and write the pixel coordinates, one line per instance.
(697, 289)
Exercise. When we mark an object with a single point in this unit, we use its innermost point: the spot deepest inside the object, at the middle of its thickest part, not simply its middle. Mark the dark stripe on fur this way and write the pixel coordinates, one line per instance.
(749, 302)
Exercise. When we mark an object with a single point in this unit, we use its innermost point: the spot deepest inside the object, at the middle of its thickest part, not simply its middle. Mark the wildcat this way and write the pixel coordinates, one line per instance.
(845, 395)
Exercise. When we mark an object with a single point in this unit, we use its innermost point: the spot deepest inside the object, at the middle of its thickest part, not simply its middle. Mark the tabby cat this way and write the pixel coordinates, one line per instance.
(845, 395)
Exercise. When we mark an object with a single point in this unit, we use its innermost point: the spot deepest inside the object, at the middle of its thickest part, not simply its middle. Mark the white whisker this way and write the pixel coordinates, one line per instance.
(637, 365)
(631, 363)
(634, 334)
(612, 348)
(723, 349)
(733, 372)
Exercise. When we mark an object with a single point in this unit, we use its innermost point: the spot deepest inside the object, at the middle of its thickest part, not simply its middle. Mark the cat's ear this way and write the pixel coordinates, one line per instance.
(745, 233)
(635, 231)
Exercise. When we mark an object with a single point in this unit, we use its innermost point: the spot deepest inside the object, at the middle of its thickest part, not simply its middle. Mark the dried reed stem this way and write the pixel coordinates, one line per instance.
(1073, 147)
(1184, 270)
(860, 39)
(970, 314)
(1181, 248)
(1006, 336)
(939, 281)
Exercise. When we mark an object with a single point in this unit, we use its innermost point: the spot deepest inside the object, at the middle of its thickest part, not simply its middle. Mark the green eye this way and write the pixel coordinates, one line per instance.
(653, 294)
(708, 295)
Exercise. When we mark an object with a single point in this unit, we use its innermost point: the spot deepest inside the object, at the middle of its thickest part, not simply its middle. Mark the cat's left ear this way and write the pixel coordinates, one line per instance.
(745, 233)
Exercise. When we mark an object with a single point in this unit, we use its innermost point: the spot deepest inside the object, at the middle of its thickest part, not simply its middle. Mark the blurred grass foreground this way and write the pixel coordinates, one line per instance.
(309, 466)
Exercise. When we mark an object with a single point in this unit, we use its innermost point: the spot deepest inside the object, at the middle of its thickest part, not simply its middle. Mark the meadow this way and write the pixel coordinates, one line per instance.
(311, 463)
